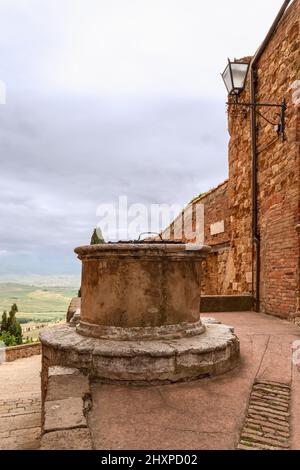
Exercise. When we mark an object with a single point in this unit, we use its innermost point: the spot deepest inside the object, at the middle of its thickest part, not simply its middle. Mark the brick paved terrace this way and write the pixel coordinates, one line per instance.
(257, 405)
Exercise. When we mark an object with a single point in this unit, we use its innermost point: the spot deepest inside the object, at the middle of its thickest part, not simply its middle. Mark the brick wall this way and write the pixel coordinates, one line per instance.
(216, 219)
(217, 268)
(278, 177)
(230, 268)
(278, 172)
(216, 215)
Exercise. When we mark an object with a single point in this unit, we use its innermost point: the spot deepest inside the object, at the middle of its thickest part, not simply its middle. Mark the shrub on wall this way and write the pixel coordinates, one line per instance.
(97, 237)
(8, 339)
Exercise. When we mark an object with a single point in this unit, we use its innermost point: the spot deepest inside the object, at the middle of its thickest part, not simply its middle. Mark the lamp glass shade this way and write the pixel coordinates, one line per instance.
(239, 74)
(235, 76)
(227, 79)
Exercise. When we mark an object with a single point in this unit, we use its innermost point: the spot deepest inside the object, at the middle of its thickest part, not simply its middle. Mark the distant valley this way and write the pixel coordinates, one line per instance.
(36, 303)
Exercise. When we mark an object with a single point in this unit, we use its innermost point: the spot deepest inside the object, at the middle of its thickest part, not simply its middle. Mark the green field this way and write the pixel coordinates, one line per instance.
(36, 304)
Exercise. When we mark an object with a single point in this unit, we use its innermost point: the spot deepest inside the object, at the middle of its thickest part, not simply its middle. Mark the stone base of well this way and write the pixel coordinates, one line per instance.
(214, 352)
(141, 333)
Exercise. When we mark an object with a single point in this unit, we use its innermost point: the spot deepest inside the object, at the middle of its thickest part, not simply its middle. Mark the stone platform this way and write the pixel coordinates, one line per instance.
(214, 352)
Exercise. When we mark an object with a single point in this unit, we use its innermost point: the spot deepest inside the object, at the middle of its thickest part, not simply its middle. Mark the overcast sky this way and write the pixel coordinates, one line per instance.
(108, 98)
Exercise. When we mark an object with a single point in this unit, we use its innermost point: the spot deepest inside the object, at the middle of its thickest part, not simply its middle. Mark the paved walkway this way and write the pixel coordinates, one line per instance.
(20, 378)
(208, 414)
(20, 405)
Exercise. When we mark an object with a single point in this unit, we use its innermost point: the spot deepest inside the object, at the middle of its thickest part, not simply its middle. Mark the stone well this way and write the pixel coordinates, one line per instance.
(140, 291)
(139, 319)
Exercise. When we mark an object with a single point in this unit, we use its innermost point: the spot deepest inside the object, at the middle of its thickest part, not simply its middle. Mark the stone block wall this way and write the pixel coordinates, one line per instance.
(217, 273)
(22, 351)
(239, 195)
(75, 304)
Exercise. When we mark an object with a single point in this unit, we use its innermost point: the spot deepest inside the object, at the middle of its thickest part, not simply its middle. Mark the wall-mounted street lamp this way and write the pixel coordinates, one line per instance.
(235, 76)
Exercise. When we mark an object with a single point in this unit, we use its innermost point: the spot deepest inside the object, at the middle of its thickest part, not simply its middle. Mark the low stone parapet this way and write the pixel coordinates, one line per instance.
(18, 352)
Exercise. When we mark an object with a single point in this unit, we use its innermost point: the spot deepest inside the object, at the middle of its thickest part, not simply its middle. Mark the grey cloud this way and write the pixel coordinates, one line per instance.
(62, 154)
(74, 154)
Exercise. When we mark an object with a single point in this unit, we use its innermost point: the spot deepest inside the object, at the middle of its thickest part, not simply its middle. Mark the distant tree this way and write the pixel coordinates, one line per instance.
(97, 237)
(79, 293)
(13, 326)
(14, 308)
(11, 320)
(3, 326)
(16, 331)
